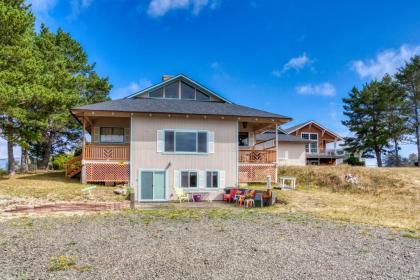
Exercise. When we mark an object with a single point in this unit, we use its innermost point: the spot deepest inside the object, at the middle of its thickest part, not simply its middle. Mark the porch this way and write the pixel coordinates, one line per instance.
(105, 154)
(256, 161)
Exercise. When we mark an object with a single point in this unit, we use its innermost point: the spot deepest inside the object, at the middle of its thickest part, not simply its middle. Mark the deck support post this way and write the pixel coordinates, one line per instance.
(277, 152)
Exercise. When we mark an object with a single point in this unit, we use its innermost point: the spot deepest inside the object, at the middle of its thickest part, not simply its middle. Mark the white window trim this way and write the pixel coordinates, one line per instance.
(189, 189)
(317, 142)
(218, 180)
(186, 130)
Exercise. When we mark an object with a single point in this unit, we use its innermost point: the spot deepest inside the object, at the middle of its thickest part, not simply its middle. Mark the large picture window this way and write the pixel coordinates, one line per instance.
(185, 141)
(311, 148)
(189, 179)
(212, 179)
(112, 135)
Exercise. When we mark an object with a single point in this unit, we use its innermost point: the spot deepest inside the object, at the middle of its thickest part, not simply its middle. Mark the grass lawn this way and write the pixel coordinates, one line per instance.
(52, 186)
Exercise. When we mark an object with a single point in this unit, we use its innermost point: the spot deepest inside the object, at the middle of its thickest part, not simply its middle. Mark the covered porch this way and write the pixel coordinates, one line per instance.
(256, 161)
(105, 156)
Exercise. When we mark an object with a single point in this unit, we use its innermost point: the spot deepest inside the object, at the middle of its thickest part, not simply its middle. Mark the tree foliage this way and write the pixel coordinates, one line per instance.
(42, 76)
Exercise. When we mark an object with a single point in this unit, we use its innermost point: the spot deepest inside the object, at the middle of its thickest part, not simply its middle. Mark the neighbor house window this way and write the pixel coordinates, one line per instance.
(189, 179)
(186, 141)
(112, 135)
(311, 148)
(212, 179)
(243, 139)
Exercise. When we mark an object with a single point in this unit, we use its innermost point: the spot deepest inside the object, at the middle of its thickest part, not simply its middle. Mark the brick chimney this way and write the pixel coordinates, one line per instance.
(166, 77)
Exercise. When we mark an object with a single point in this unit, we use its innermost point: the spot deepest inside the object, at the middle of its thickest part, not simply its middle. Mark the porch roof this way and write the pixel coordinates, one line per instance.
(171, 106)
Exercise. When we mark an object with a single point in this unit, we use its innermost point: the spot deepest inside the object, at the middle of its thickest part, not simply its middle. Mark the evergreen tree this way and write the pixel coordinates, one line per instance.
(68, 80)
(18, 70)
(366, 118)
(409, 79)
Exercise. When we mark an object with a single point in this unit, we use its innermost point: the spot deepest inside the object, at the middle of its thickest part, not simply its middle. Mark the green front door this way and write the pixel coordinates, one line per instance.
(152, 185)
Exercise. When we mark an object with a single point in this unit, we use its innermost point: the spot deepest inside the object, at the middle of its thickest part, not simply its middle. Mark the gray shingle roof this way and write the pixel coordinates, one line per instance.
(148, 105)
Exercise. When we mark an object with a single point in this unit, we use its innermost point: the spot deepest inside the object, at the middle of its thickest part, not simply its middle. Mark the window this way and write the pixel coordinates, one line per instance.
(189, 179)
(186, 141)
(187, 91)
(212, 179)
(172, 90)
(111, 135)
(243, 139)
(201, 96)
(158, 93)
(311, 148)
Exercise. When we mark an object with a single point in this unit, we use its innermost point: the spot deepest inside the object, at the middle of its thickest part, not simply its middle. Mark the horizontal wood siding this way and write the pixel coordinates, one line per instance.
(145, 155)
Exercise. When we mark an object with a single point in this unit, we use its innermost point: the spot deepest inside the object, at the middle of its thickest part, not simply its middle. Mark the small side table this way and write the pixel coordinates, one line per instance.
(285, 180)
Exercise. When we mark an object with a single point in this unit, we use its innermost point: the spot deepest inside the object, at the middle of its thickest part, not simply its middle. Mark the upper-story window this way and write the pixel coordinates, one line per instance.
(112, 135)
(312, 147)
(244, 139)
(179, 90)
(185, 141)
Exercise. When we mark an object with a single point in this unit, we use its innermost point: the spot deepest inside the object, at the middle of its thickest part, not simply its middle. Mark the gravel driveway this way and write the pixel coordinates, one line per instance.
(241, 246)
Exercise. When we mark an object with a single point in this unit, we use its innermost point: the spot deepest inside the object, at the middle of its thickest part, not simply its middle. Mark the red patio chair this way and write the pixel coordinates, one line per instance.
(228, 197)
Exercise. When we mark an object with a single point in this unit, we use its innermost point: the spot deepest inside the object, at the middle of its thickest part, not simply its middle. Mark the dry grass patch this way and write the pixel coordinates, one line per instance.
(52, 186)
(384, 197)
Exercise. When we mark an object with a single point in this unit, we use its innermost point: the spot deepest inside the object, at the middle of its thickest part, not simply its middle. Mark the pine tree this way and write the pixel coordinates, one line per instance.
(409, 79)
(18, 71)
(365, 111)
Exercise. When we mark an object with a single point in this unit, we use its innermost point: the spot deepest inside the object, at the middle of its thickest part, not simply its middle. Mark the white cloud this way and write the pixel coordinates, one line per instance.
(77, 6)
(158, 8)
(387, 61)
(323, 89)
(295, 63)
(215, 65)
(130, 89)
(42, 6)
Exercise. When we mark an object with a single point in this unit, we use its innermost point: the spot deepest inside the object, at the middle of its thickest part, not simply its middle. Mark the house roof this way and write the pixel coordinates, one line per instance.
(282, 138)
(184, 78)
(171, 106)
(298, 126)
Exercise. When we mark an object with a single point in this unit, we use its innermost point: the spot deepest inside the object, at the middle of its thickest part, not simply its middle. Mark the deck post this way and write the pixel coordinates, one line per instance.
(83, 170)
(277, 152)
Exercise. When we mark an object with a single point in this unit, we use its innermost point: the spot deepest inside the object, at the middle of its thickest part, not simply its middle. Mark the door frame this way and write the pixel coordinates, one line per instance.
(140, 170)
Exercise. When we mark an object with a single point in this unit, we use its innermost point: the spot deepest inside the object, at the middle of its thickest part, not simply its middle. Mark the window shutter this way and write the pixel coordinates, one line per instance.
(126, 135)
(96, 134)
(202, 179)
(176, 179)
(160, 141)
(222, 179)
(211, 142)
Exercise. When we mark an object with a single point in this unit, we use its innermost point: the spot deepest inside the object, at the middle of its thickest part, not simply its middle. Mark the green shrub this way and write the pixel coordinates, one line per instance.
(60, 160)
(61, 263)
(354, 161)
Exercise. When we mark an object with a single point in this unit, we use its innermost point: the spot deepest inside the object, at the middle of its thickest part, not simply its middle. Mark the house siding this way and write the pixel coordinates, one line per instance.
(145, 156)
(296, 155)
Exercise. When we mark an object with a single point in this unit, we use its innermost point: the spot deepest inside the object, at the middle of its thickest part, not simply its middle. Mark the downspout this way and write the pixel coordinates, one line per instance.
(277, 152)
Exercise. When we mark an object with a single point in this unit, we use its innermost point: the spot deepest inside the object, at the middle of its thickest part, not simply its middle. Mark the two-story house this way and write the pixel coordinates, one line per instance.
(177, 133)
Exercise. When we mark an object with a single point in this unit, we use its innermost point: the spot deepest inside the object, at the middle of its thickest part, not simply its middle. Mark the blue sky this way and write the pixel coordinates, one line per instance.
(296, 58)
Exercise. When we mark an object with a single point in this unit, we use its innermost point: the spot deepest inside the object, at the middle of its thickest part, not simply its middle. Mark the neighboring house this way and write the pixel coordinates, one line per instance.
(177, 133)
(291, 149)
(319, 137)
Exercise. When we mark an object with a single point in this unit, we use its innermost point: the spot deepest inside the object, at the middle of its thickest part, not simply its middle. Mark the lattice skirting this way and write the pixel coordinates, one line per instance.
(107, 172)
(256, 173)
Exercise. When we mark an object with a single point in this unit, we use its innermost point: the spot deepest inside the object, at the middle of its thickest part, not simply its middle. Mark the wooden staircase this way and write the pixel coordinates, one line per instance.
(74, 166)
